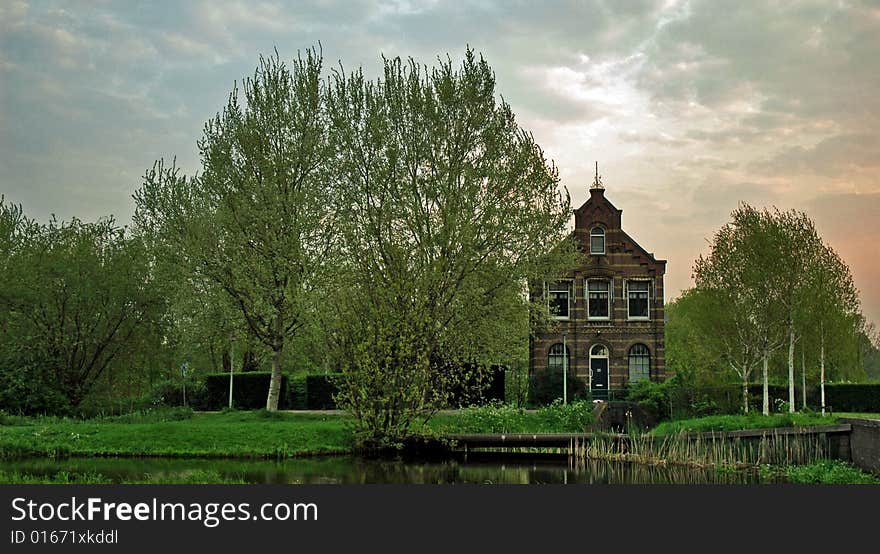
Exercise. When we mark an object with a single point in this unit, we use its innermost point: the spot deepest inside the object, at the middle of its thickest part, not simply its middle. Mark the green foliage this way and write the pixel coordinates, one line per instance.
(742, 421)
(77, 303)
(574, 417)
(505, 418)
(446, 209)
(827, 472)
(255, 223)
(650, 395)
(768, 280)
(490, 418)
(545, 387)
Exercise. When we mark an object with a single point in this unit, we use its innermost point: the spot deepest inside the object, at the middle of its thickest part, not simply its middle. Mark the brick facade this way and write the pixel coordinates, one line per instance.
(623, 261)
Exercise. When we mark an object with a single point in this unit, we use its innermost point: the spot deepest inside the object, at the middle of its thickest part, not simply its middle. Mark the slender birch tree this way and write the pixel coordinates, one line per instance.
(256, 222)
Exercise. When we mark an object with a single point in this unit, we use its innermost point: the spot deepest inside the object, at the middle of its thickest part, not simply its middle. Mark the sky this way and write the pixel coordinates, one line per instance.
(689, 107)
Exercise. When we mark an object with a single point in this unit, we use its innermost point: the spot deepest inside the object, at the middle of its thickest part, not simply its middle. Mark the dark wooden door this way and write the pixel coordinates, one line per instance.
(599, 379)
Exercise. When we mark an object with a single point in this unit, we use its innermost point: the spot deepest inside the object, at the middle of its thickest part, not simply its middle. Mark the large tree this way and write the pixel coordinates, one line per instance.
(256, 221)
(446, 208)
(75, 298)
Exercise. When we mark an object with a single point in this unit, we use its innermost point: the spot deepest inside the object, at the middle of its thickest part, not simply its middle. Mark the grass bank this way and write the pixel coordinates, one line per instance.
(497, 418)
(74, 478)
(741, 421)
(225, 434)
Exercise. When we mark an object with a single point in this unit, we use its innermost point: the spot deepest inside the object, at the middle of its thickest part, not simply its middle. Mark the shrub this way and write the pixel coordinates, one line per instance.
(571, 418)
(494, 417)
(829, 472)
(546, 386)
(654, 397)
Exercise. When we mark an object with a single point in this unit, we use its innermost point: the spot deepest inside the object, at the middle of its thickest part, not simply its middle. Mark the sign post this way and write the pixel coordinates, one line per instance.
(564, 371)
(231, 367)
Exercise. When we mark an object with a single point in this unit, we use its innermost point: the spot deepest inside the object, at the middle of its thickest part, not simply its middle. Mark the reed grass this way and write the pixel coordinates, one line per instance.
(704, 451)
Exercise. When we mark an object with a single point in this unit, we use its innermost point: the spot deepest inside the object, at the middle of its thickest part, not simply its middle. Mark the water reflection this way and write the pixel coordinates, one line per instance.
(354, 470)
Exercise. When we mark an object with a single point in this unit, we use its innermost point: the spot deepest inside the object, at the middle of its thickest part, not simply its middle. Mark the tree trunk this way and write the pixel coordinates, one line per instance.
(822, 369)
(745, 396)
(765, 407)
(275, 380)
(791, 367)
(804, 376)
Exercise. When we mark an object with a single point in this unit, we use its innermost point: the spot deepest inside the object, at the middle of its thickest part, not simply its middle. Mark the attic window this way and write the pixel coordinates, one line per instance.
(597, 240)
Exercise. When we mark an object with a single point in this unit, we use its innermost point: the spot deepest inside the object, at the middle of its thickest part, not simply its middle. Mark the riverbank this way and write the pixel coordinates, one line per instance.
(214, 435)
(218, 436)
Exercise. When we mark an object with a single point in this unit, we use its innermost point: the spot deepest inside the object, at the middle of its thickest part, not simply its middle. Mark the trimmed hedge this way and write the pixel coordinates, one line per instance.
(850, 397)
(249, 389)
(320, 390)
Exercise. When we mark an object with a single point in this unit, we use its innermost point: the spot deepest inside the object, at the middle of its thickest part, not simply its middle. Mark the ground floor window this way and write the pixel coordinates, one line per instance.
(558, 355)
(639, 363)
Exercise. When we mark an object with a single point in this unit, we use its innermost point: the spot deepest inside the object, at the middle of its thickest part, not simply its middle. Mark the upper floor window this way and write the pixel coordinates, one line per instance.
(597, 240)
(559, 299)
(598, 298)
(637, 299)
(639, 363)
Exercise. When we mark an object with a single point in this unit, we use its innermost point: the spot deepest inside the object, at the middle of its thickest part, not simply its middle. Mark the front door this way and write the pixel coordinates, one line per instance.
(599, 377)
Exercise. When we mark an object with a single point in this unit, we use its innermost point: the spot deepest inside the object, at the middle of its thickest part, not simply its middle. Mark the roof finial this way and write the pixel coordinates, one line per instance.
(597, 183)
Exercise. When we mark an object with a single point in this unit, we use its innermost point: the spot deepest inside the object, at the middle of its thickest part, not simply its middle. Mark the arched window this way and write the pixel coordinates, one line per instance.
(639, 363)
(556, 355)
(597, 240)
(598, 351)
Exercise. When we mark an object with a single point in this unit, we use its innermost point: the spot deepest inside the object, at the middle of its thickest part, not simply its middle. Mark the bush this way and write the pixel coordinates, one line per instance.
(571, 418)
(829, 472)
(654, 397)
(546, 387)
(494, 417)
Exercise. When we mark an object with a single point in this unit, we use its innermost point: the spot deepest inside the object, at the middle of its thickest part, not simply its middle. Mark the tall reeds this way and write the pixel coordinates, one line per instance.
(704, 451)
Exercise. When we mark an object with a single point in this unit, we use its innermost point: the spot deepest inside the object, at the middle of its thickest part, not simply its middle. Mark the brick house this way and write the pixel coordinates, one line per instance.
(609, 319)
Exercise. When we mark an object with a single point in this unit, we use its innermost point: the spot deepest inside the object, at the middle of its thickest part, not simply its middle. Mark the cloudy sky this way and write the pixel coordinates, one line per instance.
(689, 106)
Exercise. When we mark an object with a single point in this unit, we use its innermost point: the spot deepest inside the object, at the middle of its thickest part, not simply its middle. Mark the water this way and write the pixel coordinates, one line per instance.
(354, 470)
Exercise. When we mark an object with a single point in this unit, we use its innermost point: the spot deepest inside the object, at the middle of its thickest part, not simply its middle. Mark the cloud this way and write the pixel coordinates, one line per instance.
(689, 107)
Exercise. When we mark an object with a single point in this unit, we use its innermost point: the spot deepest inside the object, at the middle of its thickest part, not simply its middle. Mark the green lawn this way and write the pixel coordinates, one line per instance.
(232, 434)
(744, 421)
(863, 415)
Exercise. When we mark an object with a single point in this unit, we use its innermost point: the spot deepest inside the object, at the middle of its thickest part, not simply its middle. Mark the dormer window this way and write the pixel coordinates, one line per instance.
(597, 240)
